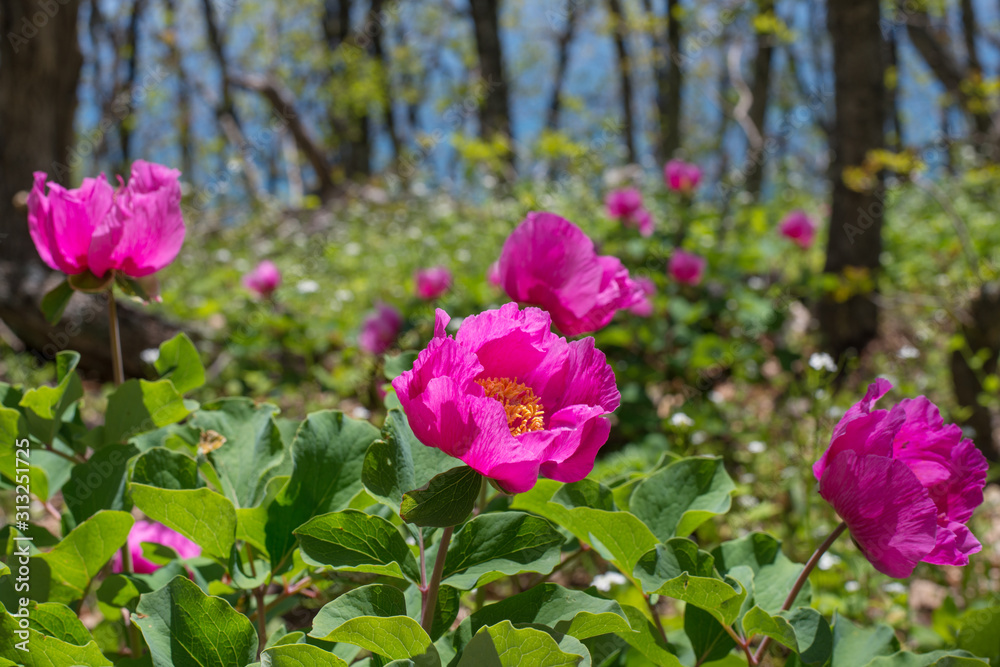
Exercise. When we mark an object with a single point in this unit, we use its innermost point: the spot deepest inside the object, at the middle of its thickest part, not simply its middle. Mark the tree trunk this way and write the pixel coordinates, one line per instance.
(624, 74)
(981, 331)
(757, 155)
(855, 235)
(131, 72)
(494, 111)
(562, 65)
(669, 83)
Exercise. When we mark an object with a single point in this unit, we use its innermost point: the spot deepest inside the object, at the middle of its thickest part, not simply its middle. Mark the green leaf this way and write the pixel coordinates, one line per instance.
(504, 645)
(327, 457)
(139, 406)
(203, 516)
(44, 406)
(773, 573)
(804, 630)
(299, 655)
(59, 621)
(709, 640)
(55, 301)
(166, 469)
(42, 650)
(180, 363)
(186, 628)
(378, 600)
(618, 537)
(585, 493)
(445, 611)
(14, 430)
(933, 659)
(979, 633)
(396, 365)
(395, 637)
(674, 501)
(99, 484)
(64, 573)
(853, 645)
(253, 451)
(447, 500)
(503, 542)
(646, 639)
(353, 540)
(251, 522)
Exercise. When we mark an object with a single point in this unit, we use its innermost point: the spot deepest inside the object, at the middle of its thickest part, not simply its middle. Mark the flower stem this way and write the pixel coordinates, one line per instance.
(261, 620)
(430, 594)
(117, 366)
(799, 583)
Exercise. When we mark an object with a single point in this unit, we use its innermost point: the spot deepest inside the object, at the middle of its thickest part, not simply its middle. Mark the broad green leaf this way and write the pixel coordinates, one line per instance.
(853, 645)
(979, 633)
(804, 630)
(396, 365)
(581, 614)
(4, 570)
(14, 430)
(618, 537)
(353, 540)
(64, 573)
(379, 600)
(166, 469)
(447, 500)
(203, 516)
(59, 621)
(299, 655)
(445, 611)
(504, 542)
(251, 522)
(253, 451)
(585, 493)
(55, 301)
(504, 645)
(139, 406)
(773, 573)
(327, 457)
(44, 406)
(395, 637)
(709, 640)
(99, 484)
(180, 363)
(674, 501)
(933, 659)
(186, 628)
(42, 650)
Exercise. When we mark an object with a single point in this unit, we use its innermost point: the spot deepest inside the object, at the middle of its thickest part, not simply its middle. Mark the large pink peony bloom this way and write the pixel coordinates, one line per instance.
(681, 176)
(264, 279)
(433, 282)
(510, 398)
(137, 230)
(549, 262)
(380, 328)
(798, 227)
(686, 268)
(147, 531)
(904, 483)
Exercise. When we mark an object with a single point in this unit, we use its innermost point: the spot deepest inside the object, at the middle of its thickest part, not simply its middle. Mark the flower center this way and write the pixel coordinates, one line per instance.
(524, 409)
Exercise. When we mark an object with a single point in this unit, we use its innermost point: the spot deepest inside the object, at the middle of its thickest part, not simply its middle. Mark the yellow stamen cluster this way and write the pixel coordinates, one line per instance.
(524, 409)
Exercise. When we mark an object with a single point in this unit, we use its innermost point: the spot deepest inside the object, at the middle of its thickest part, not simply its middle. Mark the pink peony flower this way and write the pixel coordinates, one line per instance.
(510, 398)
(493, 274)
(623, 204)
(645, 307)
(799, 227)
(904, 483)
(643, 220)
(549, 262)
(682, 176)
(432, 283)
(686, 268)
(264, 279)
(156, 533)
(137, 230)
(380, 328)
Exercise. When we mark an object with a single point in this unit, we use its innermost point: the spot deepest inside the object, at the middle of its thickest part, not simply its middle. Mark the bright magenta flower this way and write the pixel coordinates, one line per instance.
(623, 203)
(904, 483)
(380, 328)
(510, 398)
(686, 268)
(264, 279)
(137, 230)
(645, 307)
(643, 221)
(493, 274)
(798, 227)
(156, 533)
(549, 262)
(433, 282)
(682, 176)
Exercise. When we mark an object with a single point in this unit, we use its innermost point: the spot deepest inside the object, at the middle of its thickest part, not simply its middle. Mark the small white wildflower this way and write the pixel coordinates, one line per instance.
(361, 412)
(698, 437)
(604, 582)
(455, 323)
(746, 502)
(307, 287)
(748, 478)
(820, 394)
(344, 294)
(908, 352)
(679, 419)
(150, 355)
(756, 283)
(828, 560)
(716, 397)
(852, 587)
(894, 588)
(756, 447)
(821, 361)
(463, 255)
(411, 540)
(222, 256)
(835, 412)
(352, 249)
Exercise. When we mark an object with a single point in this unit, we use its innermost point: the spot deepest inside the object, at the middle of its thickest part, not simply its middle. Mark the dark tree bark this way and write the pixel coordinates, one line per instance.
(494, 110)
(619, 34)
(354, 132)
(562, 65)
(375, 32)
(890, 46)
(131, 72)
(184, 120)
(757, 155)
(855, 236)
(981, 331)
(669, 84)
